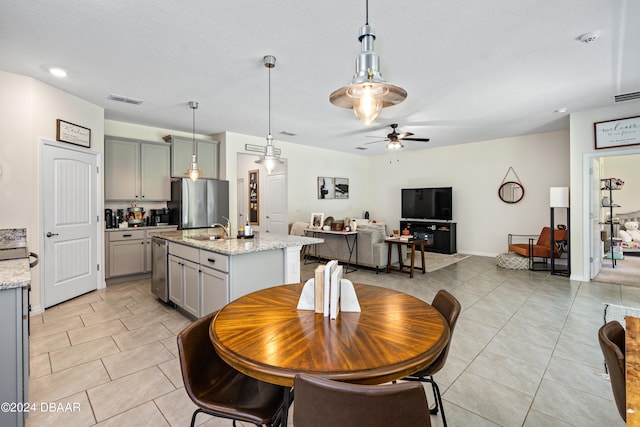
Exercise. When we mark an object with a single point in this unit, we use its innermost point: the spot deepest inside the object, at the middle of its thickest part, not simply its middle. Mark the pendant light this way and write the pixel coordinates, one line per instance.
(193, 171)
(269, 158)
(368, 92)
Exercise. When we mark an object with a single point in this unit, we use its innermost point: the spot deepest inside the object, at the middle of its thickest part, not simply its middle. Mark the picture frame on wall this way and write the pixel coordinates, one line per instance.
(617, 133)
(73, 134)
(254, 197)
(341, 188)
(326, 188)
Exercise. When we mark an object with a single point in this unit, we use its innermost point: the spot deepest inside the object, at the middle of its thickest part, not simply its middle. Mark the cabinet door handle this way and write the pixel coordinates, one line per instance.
(211, 260)
(126, 235)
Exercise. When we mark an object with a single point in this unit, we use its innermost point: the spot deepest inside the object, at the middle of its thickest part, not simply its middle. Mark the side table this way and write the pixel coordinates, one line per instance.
(412, 244)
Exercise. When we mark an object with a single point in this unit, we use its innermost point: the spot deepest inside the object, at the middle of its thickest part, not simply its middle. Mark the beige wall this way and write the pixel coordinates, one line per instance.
(28, 112)
(476, 171)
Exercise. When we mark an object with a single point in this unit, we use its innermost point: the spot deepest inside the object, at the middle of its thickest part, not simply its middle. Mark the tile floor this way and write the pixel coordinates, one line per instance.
(525, 352)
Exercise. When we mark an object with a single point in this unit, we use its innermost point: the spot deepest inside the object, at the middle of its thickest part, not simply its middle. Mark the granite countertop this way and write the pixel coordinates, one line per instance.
(14, 273)
(199, 238)
(11, 238)
(150, 227)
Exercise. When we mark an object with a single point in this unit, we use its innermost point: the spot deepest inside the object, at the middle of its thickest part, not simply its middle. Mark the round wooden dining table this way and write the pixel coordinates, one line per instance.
(263, 335)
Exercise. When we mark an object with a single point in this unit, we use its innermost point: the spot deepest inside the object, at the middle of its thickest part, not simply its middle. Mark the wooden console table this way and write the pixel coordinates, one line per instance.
(351, 245)
(412, 243)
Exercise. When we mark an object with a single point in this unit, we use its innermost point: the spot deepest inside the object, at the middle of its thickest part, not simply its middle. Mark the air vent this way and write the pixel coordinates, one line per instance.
(125, 99)
(627, 96)
(361, 148)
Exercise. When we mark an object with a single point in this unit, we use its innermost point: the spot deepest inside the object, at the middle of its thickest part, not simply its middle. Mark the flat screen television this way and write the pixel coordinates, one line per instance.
(427, 203)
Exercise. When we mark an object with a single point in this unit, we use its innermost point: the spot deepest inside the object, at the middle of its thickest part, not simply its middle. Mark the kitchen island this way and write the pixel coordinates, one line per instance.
(205, 272)
(15, 281)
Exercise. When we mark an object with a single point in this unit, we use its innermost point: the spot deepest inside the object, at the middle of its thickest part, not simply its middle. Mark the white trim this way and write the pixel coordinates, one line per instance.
(587, 158)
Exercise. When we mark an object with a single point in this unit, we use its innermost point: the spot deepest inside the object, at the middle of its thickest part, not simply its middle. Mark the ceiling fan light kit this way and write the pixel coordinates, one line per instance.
(367, 93)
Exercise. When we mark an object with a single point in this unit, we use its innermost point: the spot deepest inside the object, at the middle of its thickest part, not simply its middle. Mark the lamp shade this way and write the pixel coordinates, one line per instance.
(559, 197)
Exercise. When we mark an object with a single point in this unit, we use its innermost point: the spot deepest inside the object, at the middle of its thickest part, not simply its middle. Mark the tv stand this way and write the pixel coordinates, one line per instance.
(439, 236)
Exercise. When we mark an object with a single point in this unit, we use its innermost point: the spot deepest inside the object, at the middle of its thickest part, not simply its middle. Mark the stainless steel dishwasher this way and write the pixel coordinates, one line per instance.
(159, 279)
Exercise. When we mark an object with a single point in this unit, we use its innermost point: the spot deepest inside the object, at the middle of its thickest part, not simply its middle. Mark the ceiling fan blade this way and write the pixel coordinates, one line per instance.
(416, 139)
(375, 142)
(404, 135)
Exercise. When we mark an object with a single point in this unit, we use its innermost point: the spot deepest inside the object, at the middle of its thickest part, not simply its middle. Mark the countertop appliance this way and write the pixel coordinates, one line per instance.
(159, 279)
(198, 204)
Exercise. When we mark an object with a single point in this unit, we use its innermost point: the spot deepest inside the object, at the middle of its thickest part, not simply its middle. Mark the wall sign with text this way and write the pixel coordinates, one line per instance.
(254, 199)
(617, 133)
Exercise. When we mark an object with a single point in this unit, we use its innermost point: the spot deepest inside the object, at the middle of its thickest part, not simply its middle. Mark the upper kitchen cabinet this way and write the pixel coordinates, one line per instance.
(136, 170)
(182, 150)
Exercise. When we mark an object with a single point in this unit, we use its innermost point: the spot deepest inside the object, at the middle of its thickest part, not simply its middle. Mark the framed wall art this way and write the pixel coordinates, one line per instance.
(341, 188)
(617, 133)
(325, 188)
(254, 197)
(73, 134)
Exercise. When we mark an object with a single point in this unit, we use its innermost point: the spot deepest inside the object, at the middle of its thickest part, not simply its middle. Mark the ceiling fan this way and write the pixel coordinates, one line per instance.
(394, 138)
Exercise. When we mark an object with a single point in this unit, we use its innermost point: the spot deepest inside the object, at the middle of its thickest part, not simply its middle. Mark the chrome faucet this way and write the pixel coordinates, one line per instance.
(226, 230)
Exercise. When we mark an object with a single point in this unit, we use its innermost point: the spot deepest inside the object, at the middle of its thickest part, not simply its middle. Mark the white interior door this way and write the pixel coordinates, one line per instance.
(277, 216)
(594, 215)
(70, 223)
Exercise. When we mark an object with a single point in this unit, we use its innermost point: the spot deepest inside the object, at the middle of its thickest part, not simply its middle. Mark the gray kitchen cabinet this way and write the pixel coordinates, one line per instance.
(14, 353)
(184, 280)
(182, 150)
(175, 280)
(127, 252)
(214, 281)
(136, 170)
(215, 290)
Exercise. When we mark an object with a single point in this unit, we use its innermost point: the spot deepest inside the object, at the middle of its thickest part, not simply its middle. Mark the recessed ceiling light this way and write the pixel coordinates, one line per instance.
(286, 132)
(58, 72)
(589, 37)
(560, 110)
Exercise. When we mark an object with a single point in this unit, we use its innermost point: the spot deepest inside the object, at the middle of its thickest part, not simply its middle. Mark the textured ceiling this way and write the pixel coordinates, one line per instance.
(474, 70)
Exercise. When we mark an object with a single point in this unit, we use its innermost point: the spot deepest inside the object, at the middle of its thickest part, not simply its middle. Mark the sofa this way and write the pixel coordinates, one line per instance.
(372, 249)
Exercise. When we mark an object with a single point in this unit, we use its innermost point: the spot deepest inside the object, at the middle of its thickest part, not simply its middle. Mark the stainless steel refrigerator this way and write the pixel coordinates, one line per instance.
(198, 204)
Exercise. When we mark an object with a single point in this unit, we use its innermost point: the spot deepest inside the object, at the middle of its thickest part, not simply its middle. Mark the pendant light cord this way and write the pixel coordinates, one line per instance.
(366, 16)
(194, 131)
(269, 100)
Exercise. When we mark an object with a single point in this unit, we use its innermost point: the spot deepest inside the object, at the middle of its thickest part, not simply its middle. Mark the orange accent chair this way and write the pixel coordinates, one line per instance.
(541, 248)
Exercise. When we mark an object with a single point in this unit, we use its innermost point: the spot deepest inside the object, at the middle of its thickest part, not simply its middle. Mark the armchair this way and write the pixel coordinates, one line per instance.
(540, 248)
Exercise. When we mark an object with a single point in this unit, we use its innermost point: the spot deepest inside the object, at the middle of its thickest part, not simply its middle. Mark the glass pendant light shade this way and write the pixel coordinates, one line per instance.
(367, 93)
(193, 171)
(394, 145)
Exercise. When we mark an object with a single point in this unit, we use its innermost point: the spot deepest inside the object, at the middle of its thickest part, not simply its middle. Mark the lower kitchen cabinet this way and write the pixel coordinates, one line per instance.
(215, 290)
(14, 353)
(194, 284)
(128, 251)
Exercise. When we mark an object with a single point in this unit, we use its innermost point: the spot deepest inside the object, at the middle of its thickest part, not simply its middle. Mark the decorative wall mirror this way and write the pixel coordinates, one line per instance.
(511, 191)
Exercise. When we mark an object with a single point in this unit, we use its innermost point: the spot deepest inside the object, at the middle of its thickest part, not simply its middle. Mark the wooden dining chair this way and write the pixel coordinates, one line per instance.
(219, 390)
(320, 402)
(612, 342)
(449, 307)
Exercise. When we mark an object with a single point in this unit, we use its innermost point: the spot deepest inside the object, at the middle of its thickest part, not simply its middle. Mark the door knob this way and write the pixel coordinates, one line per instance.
(50, 234)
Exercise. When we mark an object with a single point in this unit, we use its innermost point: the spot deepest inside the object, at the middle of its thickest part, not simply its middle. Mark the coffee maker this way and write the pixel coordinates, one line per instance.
(159, 216)
(108, 218)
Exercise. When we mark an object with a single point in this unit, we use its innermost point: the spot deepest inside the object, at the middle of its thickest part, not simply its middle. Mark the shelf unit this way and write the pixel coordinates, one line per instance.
(440, 237)
(609, 185)
(562, 270)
